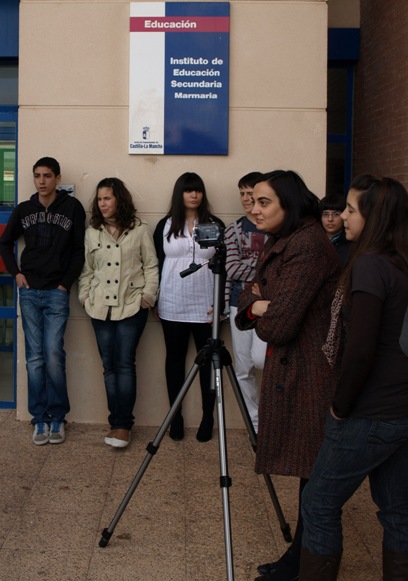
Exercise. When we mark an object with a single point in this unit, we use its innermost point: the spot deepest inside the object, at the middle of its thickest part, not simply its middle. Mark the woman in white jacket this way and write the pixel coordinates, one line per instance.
(118, 284)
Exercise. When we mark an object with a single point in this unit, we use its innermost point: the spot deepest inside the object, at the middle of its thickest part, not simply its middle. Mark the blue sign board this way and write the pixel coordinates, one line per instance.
(179, 70)
(9, 10)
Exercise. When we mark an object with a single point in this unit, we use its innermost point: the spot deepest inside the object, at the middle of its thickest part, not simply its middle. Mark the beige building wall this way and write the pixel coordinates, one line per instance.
(74, 59)
(343, 13)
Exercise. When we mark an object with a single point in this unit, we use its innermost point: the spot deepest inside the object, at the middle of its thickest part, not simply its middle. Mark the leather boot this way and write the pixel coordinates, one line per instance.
(288, 563)
(318, 567)
(177, 427)
(395, 565)
(205, 430)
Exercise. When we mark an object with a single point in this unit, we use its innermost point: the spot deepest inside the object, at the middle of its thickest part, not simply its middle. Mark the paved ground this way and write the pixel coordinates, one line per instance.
(57, 499)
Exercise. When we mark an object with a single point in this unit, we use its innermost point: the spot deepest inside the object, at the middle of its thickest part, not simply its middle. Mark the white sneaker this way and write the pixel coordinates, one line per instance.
(120, 439)
(41, 434)
(109, 437)
(57, 432)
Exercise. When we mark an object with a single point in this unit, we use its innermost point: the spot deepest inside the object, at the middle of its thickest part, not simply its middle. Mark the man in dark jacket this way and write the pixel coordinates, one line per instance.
(52, 224)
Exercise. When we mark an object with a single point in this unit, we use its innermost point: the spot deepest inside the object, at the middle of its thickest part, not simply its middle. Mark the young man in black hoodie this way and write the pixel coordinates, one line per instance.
(53, 226)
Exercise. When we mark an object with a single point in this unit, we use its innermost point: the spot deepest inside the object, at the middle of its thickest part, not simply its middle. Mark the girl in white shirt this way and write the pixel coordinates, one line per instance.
(184, 305)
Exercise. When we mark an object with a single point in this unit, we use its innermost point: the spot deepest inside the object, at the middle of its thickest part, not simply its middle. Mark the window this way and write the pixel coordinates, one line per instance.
(344, 52)
(7, 170)
(9, 25)
(8, 197)
(339, 127)
(8, 82)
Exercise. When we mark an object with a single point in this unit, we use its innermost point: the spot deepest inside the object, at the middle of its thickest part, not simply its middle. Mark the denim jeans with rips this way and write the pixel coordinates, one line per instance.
(353, 449)
(44, 318)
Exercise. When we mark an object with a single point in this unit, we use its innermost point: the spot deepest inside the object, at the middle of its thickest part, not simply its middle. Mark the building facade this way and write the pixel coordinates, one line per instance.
(73, 101)
(381, 97)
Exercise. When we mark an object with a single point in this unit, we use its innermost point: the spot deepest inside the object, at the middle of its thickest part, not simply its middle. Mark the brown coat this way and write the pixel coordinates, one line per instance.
(298, 274)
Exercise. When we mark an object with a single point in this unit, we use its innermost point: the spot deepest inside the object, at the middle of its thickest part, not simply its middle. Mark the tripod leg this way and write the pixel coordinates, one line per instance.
(151, 448)
(285, 528)
(225, 480)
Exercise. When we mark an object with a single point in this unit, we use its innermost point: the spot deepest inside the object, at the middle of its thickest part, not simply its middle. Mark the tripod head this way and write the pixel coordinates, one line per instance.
(212, 235)
(206, 236)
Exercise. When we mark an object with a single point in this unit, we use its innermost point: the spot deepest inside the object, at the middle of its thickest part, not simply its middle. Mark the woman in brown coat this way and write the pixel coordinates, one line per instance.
(288, 304)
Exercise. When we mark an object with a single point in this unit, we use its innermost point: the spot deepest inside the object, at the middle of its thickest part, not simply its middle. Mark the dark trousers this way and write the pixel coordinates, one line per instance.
(176, 337)
(353, 449)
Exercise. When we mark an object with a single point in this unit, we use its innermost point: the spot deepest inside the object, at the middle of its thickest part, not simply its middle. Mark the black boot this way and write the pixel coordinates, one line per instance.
(318, 567)
(177, 428)
(395, 565)
(287, 567)
(205, 431)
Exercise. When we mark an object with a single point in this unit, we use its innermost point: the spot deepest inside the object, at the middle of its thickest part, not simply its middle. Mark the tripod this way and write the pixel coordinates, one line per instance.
(215, 352)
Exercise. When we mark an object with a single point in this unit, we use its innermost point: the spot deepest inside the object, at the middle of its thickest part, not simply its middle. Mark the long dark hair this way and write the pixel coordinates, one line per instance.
(383, 203)
(294, 196)
(187, 182)
(126, 212)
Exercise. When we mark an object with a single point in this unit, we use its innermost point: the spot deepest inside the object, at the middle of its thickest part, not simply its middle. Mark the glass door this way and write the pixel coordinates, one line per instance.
(8, 315)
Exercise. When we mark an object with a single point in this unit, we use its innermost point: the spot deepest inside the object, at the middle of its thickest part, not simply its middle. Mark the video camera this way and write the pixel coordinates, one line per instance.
(207, 235)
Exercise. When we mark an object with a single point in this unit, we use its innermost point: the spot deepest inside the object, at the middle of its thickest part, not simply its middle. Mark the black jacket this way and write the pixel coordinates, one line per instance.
(342, 246)
(54, 241)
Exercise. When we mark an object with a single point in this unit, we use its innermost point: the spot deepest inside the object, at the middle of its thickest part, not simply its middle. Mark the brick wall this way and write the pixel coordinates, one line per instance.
(381, 90)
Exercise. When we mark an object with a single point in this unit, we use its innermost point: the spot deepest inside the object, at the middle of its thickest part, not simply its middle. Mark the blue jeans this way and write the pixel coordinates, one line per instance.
(117, 342)
(44, 317)
(353, 449)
